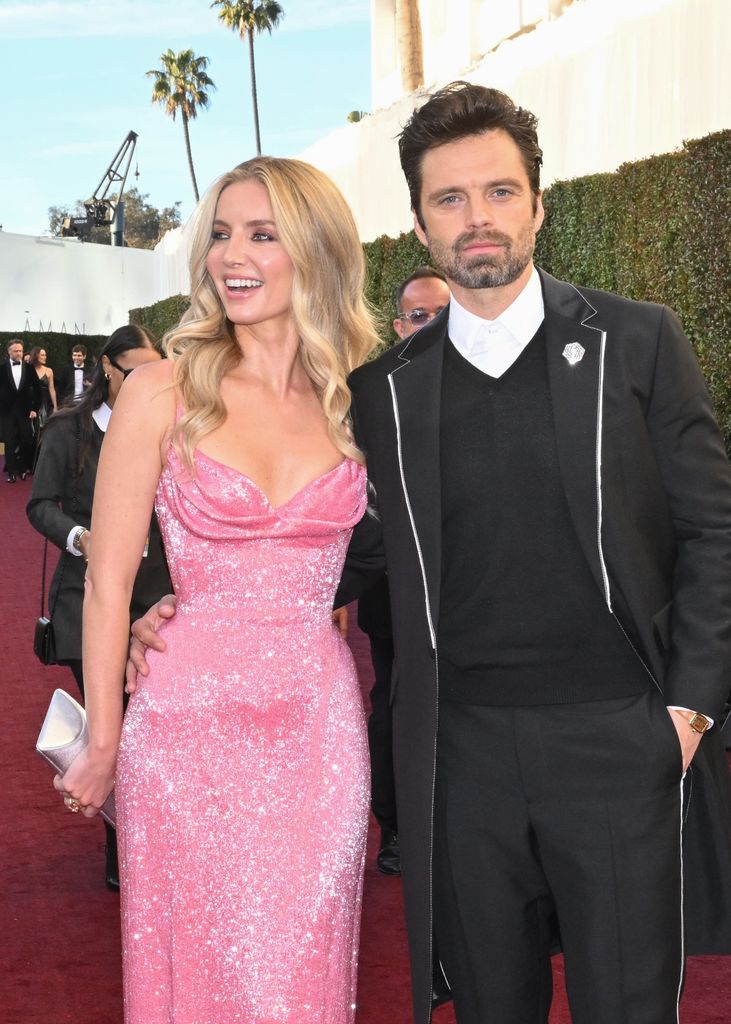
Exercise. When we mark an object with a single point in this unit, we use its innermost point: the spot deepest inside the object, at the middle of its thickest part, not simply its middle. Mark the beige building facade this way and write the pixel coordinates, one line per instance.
(611, 81)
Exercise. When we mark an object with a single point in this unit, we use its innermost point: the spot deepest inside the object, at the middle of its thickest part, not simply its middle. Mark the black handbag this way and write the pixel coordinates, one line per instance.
(44, 639)
(44, 642)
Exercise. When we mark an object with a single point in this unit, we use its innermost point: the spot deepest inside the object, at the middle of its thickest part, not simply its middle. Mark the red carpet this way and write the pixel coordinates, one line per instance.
(60, 926)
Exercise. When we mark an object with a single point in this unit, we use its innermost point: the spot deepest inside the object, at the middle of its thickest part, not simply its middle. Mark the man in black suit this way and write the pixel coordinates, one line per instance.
(419, 298)
(554, 501)
(73, 379)
(20, 399)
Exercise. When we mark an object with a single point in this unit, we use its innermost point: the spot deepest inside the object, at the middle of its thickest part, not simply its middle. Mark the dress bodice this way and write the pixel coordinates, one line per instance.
(219, 529)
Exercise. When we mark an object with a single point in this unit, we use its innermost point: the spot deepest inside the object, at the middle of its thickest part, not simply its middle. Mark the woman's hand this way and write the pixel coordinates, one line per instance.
(87, 782)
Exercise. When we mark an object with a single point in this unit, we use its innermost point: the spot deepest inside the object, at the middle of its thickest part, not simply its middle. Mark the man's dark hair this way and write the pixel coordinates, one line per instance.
(417, 275)
(79, 348)
(457, 111)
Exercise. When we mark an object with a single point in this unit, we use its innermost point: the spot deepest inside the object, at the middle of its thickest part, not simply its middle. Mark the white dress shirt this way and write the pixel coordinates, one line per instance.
(494, 345)
(78, 381)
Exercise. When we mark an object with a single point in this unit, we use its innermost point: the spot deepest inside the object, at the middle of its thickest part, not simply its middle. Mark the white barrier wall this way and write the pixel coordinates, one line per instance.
(51, 282)
(63, 284)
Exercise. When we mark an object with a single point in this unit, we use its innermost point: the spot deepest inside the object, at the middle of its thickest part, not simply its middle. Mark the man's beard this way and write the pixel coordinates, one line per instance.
(484, 270)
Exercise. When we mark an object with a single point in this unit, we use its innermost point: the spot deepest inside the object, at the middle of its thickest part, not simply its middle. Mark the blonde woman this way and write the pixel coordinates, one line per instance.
(241, 769)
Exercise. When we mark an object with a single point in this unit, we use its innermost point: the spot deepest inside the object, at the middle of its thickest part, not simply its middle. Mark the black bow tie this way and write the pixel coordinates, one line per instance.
(16, 362)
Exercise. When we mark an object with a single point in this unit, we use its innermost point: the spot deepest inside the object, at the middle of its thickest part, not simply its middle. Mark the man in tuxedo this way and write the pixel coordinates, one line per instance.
(73, 379)
(20, 399)
(554, 501)
(419, 298)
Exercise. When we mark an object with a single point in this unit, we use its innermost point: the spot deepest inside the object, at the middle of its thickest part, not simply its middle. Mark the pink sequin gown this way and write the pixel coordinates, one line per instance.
(242, 784)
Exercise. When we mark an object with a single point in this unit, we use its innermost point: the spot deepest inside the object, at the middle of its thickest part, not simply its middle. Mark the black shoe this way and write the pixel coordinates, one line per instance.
(111, 876)
(24, 474)
(388, 860)
(11, 478)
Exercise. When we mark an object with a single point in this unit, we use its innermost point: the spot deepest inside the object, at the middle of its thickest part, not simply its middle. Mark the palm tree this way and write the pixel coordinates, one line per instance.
(180, 85)
(248, 17)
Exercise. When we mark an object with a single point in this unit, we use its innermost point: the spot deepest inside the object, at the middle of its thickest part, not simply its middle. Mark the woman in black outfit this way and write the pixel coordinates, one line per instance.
(60, 507)
(37, 360)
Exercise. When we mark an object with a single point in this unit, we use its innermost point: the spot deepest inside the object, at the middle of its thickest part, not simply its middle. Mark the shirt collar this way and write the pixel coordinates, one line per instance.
(101, 416)
(521, 319)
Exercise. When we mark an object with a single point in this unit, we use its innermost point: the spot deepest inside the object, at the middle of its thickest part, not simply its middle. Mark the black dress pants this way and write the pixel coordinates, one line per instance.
(17, 433)
(380, 735)
(577, 807)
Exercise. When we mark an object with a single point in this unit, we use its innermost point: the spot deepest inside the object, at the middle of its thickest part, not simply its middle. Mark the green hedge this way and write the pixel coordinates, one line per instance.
(658, 229)
(57, 345)
(161, 316)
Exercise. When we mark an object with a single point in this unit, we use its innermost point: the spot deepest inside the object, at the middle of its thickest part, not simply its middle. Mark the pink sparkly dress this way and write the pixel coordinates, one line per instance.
(242, 782)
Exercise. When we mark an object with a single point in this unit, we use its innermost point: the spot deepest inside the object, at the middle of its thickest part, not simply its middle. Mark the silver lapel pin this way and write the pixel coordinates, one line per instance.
(573, 353)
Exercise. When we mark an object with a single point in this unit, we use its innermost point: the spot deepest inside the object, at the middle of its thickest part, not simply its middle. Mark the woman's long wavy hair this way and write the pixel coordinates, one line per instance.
(34, 357)
(122, 340)
(334, 326)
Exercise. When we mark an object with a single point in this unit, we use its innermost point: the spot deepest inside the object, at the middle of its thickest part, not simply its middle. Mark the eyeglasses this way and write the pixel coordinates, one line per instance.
(419, 317)
(125, 373)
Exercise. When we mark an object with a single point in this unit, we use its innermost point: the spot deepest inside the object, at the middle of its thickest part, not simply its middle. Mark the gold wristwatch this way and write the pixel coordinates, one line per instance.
(698, 722)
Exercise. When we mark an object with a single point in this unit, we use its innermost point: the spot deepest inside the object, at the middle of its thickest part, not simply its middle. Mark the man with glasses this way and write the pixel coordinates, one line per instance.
(418, 299)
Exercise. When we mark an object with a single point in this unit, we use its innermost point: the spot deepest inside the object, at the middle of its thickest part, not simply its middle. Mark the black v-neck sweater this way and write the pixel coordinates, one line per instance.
(522, 619)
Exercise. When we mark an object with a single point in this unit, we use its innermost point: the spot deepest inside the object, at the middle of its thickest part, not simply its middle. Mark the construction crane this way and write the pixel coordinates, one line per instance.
(104, 208)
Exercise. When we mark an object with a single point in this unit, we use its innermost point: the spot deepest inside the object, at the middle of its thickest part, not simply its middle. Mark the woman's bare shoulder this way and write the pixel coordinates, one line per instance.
(148, 397)
(159, 372)
(152, 382)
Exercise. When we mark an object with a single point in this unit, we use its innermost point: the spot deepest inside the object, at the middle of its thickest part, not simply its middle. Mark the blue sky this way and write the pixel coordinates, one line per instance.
(75, 85)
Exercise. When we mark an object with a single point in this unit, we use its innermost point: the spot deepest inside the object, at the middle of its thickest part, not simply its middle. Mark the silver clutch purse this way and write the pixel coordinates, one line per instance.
(63, 736)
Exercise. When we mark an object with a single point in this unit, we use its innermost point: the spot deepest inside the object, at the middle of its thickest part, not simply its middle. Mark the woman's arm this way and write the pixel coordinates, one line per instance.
(52, 388)
(129, 470)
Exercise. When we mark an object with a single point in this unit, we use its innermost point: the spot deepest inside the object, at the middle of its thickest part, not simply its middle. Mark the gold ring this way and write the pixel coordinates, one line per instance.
(73, 805)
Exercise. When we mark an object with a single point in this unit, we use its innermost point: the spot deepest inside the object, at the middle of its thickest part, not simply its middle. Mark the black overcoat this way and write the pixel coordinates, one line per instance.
(59, 501)
(649, 489)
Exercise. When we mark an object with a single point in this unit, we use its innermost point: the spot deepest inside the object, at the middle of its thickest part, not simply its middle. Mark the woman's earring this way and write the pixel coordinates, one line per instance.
(107, 376)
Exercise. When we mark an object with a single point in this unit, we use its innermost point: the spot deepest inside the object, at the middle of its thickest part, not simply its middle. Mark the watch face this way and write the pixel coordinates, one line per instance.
(699, 723)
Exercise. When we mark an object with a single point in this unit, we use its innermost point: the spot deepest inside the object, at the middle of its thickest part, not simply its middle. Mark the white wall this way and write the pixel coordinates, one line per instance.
(64, 284)
(610, 80)
(50, 282)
